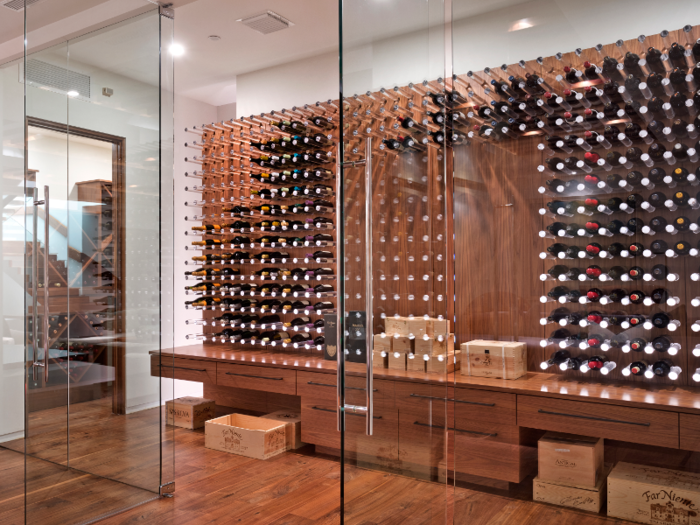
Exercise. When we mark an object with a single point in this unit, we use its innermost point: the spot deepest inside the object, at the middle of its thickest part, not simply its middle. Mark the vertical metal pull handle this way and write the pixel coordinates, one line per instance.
(35, 287)
(369, 331)
(35, 271)
(46, 283)
(340, 243)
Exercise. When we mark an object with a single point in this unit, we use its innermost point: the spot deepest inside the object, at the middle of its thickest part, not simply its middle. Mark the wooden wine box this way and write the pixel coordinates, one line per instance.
(402, 344)
(438, 327)
(382, 344)
(190, 412)
(439, 345)
(570, 460)
(407, 326)
(253, 437)
(444, 364)
(397, 361)
(654, 495)
(293, 429)
(415, 362)
(380, 359)
(577, 497)
(497, 359)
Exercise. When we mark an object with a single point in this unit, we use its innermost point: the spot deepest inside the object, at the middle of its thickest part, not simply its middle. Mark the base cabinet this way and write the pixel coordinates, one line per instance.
(319, 426)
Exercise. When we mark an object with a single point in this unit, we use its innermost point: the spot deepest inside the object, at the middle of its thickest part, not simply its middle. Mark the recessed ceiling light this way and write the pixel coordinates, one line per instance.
(73, 93)
(214, 37)
(524, 23)
(177, 50)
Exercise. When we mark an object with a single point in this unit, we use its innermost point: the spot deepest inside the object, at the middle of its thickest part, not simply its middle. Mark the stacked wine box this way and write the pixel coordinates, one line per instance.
(263, 236)
(419, 344)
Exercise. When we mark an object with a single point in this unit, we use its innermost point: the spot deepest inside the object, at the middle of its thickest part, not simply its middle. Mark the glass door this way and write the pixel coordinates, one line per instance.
(93, 226)
(396, 317)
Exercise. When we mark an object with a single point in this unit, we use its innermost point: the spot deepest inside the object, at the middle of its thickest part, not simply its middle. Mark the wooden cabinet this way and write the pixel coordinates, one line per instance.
(316, 385)
(635, 425)
(484, 439)
(690, 432)
(186, 369)
(320, 427)
(279, 380)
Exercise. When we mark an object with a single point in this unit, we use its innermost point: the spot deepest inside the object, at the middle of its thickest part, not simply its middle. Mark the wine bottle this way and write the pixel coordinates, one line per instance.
(556, 359)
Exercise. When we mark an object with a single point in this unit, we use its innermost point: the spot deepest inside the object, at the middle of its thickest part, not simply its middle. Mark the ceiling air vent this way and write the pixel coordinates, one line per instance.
(266, 23)
(58, 79)
(18, 5)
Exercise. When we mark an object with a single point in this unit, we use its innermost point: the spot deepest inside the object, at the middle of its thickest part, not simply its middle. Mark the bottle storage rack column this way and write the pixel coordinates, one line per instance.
(264, 244)
(613, 184)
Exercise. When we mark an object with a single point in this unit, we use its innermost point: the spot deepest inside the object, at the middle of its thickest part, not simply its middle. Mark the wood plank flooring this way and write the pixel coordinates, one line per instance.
(295, 488)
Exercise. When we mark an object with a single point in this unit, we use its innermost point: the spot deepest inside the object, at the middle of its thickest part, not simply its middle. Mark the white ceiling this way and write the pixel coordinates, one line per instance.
(208, 69)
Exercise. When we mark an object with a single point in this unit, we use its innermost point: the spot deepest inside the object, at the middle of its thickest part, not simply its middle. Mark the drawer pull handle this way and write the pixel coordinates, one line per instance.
(185, 368)
(348, 413)
(256, 377)
(605, 419)
(457, 429)
(359, 388)
(347, 387)
(455, 400)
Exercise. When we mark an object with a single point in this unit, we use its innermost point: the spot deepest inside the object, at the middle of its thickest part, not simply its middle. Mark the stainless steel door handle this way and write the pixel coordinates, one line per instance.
(35, 271)
(369, 331)
(367, 410)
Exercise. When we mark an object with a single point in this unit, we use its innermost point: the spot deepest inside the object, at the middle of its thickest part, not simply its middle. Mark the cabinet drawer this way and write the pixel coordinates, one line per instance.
(319, 424)
(186, 369)
(422, 439)
(317, 386)
(493, 451)
(690, 432)
(478, 407)
(280, 380)
(636, 425)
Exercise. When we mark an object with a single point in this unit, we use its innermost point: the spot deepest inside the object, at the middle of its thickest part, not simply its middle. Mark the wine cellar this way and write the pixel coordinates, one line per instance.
(436, 263)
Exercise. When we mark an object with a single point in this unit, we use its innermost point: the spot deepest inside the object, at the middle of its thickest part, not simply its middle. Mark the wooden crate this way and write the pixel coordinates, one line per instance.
(438, 327)
(293, 429)
(380, 359)
(581, 498)
(444, 364)
(415, 362)
(397, 361)
(190, 412)
(440, 345)
(405, 326)
(497, 359)
(653, 495)
(382, 343)
(249, 436)
(570, 459)
(402, 344)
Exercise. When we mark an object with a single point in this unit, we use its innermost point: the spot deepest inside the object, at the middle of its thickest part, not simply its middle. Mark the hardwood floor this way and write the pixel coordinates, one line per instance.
(294, 488)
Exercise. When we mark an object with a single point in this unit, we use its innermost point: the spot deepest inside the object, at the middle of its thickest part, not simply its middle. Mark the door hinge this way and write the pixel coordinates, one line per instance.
(167, 490)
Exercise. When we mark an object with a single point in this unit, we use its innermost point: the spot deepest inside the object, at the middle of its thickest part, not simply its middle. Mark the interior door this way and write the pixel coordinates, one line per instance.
(94, 431)
(398, 348)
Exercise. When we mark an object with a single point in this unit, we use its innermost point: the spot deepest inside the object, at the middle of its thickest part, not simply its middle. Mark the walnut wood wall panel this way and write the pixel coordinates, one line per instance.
(496, 263)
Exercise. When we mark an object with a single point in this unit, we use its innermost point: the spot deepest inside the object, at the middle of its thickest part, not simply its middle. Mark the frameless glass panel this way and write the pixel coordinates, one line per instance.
(13, 204)
(575, 255)
(396, 285)
(94, 422)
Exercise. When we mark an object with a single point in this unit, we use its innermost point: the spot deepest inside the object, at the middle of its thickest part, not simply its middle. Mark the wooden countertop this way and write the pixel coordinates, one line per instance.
(661, 397)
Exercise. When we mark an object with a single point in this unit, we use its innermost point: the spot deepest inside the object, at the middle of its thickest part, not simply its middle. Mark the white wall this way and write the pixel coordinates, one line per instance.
(226, 112)
(187, 113)
(293, 84)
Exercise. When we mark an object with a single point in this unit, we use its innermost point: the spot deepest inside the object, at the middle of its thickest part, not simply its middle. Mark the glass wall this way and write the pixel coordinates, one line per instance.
(397, 276)
(92, 236)
(575, 256)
